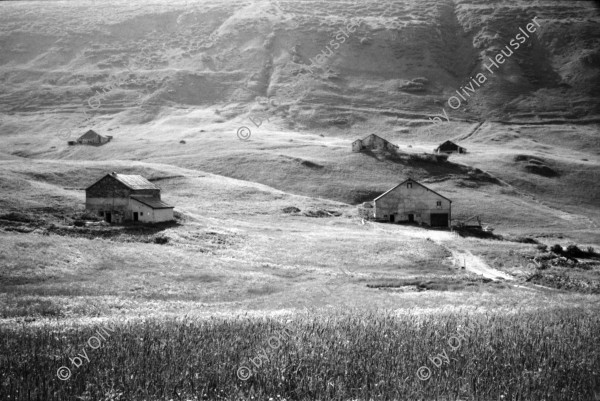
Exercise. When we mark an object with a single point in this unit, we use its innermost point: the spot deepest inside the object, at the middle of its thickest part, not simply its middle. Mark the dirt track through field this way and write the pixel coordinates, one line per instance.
(476, 265)
(460, 257)
(472, 263)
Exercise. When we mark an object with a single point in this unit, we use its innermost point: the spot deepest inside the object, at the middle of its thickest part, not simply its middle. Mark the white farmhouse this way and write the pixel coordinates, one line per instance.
(410, 201)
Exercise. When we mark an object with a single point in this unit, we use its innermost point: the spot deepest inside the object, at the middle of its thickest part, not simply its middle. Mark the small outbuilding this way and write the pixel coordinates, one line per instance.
(93, 138)
(372, 142)
(449, 147)
(410, 202)
(120, 197)
(150, 210)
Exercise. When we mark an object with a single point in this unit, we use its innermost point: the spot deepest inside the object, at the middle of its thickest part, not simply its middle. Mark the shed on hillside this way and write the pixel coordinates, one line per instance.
(449, 147)
(372, 142)
(410, 202)
(93, 138)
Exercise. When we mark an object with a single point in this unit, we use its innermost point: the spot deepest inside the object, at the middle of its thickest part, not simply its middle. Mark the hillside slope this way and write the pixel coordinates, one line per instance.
(195, 72)
(211, 52)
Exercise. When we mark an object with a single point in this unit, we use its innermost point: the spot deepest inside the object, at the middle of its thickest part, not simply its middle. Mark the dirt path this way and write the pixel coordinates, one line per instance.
(477, 127)
(476, 265)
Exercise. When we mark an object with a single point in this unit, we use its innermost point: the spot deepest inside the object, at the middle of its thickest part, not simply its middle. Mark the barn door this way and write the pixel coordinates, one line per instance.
(439, 220)
(135, 216)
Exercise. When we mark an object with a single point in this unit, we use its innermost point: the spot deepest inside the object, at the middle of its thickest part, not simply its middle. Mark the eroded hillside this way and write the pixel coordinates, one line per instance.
(217, 52)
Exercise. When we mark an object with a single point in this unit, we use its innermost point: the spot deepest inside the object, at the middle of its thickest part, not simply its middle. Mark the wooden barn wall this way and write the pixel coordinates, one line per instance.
(417, 200)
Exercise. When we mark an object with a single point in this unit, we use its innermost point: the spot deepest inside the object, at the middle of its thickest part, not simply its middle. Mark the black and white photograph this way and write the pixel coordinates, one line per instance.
(299, 200)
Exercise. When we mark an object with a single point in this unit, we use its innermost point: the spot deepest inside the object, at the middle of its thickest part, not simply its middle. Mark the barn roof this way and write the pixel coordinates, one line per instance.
(134, 181)
(91, 134)
(151, 202)
(450, 143)
(411, 180)
(375, 136)
(131, 181)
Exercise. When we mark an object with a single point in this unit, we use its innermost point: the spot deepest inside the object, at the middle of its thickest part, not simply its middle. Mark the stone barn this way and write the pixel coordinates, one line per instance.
(372, 142)
(93, 138)
(410, 201)
(119, 197)
(449, 147)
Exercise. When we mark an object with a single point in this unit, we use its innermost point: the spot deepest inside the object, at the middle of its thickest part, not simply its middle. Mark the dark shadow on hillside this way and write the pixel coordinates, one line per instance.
(83, 225)
(366, 195)
(476, 232)
(436, 167)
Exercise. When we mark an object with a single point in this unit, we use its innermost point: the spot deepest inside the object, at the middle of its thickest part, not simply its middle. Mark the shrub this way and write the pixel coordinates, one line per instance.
(18, 217)
(161, 240)
(573, 251)
(542, 247)
(89, 216)
(556, 248)
(526, 240)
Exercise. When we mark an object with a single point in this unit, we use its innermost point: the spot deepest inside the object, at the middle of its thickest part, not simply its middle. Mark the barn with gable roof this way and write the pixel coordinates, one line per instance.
(91, 137)
(119, 197)
(372, 142)
(410, 202)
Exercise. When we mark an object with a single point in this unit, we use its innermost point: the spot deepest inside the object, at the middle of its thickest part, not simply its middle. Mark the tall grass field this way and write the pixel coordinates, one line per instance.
(352, 355)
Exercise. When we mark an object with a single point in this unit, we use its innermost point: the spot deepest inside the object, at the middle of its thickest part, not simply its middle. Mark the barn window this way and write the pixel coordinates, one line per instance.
(385, 215)
(438, 203)
(409, 185)
(101, 213)
(141, 213)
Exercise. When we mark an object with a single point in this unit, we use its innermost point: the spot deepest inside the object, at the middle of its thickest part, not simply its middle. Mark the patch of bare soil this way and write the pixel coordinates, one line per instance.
(536, 165)
(322, 213)
(437, 284)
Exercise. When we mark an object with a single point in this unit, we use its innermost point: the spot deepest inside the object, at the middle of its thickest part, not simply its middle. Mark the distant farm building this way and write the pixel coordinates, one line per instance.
(450, 147)
(372, 142)
(93, 138)
(410, 202)
(119, 197)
